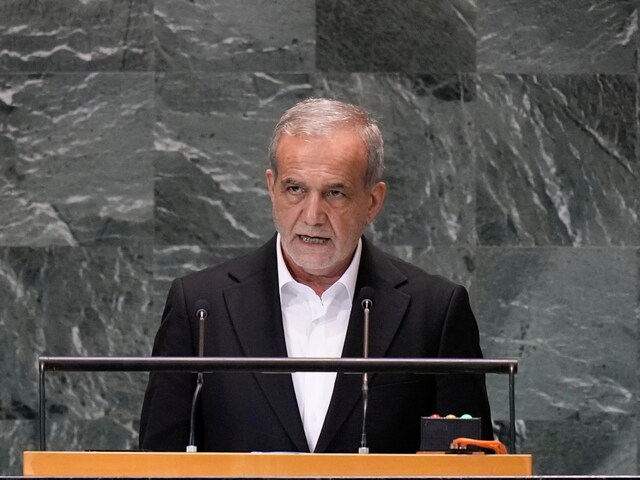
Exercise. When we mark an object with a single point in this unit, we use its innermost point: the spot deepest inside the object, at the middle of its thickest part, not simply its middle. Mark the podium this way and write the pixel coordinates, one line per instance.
(239, 465)
(273, 465)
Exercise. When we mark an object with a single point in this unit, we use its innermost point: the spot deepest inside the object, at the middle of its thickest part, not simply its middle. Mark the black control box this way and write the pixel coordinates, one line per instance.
(436, 434)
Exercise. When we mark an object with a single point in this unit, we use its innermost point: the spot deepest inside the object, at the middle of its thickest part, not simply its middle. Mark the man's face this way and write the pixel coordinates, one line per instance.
(321, 204)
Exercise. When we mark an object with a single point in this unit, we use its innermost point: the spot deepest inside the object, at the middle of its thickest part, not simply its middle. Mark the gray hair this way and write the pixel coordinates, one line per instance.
(319, 117)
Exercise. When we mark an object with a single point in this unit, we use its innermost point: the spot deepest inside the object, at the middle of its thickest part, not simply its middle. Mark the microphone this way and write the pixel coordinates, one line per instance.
(366, 295)
(202, 312)
(201, 315)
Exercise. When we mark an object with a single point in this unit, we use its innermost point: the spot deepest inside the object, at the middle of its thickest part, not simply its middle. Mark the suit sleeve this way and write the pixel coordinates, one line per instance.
(164, 422)
(463, 393)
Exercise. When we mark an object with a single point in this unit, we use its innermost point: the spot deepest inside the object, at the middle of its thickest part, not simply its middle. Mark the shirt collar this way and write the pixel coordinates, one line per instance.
(348, 278)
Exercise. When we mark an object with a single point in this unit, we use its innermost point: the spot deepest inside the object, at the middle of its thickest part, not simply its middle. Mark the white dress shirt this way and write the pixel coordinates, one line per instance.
(315, 327)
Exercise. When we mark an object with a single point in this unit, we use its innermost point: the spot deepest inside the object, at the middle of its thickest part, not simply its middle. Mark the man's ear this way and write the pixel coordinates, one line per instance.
(271, 181)
(377, 196)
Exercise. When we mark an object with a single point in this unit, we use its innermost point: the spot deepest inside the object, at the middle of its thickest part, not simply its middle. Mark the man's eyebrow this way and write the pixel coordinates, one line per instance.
(330, 186)
(291, 181)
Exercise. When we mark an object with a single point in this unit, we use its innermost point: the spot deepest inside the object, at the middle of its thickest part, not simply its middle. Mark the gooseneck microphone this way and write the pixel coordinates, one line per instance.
(202, 312)
(366, 296)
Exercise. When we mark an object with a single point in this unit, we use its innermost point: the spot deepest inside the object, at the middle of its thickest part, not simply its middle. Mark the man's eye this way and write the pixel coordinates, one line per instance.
(294, 189)
(334, 194)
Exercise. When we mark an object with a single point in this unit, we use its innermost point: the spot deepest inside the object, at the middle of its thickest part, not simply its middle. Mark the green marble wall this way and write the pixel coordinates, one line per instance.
(132, 150)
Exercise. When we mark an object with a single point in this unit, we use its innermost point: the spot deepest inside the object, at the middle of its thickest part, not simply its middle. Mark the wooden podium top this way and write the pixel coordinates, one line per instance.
(155, 464)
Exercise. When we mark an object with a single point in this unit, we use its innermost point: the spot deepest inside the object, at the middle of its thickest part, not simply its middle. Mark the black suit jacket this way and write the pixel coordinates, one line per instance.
(414, 315)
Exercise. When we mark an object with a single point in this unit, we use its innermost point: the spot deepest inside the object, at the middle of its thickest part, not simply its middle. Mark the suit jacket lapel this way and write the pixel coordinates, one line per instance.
(389, 306)
(254, 309)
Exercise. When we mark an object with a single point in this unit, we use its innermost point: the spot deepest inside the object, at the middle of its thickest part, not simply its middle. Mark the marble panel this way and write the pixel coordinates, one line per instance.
(601, 445)
(93, 411)
(16, 436)
(454, 263)
(548, 36)
(557, 161)
(74, 302)
(429, 164)
(235, 35)
(570, 316)
(76, 35)
(408, 36)
(76, 159)
(211, 144)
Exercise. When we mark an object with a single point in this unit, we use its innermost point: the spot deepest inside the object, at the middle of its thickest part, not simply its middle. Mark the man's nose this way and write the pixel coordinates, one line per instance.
(314, 213)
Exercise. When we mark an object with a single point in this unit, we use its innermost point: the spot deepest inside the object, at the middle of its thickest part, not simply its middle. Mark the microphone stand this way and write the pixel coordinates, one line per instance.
(366, 305)
(201, 314)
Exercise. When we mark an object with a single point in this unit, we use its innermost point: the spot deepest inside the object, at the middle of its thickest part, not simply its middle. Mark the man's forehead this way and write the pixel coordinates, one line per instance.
(336, 137)
(337, 158)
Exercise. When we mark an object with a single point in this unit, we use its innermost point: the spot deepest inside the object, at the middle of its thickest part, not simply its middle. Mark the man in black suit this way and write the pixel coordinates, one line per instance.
(297, 295)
